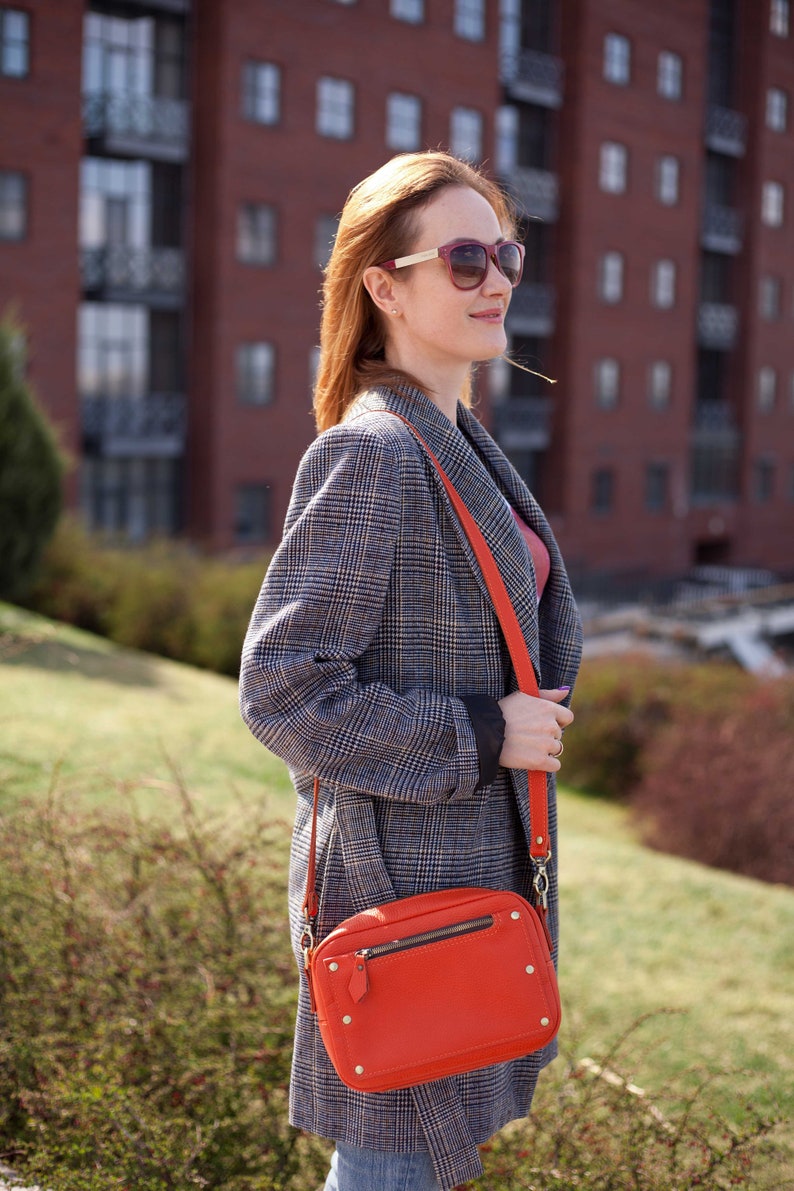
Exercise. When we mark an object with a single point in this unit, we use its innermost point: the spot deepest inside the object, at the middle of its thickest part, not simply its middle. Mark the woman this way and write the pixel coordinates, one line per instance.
(374, 659)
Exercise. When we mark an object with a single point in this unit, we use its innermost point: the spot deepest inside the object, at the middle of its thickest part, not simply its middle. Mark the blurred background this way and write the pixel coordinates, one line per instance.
(171, 173)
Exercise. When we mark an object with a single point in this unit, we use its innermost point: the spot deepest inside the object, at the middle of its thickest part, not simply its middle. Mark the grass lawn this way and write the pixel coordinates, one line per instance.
(642, 932)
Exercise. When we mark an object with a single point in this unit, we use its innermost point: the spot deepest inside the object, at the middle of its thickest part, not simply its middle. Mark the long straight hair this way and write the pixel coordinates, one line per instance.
(379, 223)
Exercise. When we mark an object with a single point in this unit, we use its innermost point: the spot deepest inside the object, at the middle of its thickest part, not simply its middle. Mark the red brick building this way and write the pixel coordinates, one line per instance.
(170, 176)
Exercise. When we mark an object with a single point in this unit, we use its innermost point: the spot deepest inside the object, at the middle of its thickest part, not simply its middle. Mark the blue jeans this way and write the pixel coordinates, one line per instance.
(354, 1169)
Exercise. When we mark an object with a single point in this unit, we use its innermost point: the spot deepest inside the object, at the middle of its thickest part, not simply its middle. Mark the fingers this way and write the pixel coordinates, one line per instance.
(533, 731)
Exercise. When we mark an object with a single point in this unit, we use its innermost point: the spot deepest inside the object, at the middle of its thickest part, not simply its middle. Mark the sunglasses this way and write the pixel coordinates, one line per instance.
(467, 263)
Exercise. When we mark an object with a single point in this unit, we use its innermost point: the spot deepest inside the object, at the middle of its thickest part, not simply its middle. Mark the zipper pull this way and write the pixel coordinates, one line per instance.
(359, 981)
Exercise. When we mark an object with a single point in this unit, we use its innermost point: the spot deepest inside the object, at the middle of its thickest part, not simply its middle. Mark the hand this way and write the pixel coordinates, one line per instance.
(533, 730)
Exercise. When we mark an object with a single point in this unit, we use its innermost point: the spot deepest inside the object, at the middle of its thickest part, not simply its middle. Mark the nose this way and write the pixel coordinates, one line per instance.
(495, 280)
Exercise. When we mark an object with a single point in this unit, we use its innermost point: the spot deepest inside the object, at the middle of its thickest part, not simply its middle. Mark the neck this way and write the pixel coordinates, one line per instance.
(443, 386)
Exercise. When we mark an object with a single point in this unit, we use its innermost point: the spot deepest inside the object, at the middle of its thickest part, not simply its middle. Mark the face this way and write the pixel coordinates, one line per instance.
(440, 328)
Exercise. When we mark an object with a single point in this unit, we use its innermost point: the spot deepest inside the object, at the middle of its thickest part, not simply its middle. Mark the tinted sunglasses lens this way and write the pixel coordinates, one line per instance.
(468, 264)
(510, 262)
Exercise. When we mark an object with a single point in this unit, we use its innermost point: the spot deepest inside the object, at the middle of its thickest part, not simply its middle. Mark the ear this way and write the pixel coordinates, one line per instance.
(379, 284)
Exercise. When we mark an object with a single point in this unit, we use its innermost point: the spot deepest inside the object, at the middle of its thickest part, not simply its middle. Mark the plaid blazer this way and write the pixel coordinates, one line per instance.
(372, 620)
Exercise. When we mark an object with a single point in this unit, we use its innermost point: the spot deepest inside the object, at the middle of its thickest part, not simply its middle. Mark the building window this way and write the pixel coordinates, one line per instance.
(252, 514)
(617, 59)
(607, 383)
(668, 171)
(470, 19)
(255, 373)
(613, 168)
(777, 109)
(772, 199)
(657, 487)
(335, 108)
(324, 235)
(779, 17)
(114, 357)
(767, 389)
(403, 121)
(769, 298)
(256, 234)
(610, 277)
(660, 384)
(13, 205)
(262, 92)
(465, 134)
(408, 10)
(14, 43)
(663, 285)
(602, 490)
(764, 480)
(670, 75)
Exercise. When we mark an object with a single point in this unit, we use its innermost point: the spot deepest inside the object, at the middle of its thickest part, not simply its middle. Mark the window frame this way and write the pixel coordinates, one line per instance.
(245, 371)
(607, 378)
(616, 63)
(14, 209)
(602, 491)
(657, 486)
(660, 395)
(266, 213)
(776, 113)
(611, 277)
(22, 44)
(664, 283)
(410, 11)
(766, 389)
(468, 21)
(773, 204)
(670, 75)
(261, 100)
(668, 167)
(779, 18)
(613, 167)
(403, 134)
(457, 138)
(770, 297)
(335, 113)
(246, 489)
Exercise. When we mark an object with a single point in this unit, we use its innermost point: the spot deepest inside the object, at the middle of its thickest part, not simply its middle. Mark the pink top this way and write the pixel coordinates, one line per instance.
(537, 548)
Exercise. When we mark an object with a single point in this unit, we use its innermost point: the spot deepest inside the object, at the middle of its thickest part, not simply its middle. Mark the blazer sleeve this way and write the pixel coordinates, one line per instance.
(320, 607)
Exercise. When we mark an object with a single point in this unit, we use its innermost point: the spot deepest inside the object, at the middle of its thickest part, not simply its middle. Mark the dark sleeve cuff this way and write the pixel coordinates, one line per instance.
(488, 725)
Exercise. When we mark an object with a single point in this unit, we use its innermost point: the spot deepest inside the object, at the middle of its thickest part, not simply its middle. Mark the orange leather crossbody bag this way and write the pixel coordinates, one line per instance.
(446, 982)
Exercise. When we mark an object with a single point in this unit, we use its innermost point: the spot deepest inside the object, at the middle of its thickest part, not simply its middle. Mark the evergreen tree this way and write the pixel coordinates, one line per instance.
(31, 471)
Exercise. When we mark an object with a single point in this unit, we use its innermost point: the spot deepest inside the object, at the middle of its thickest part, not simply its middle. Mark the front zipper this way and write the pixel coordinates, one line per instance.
(428, 936)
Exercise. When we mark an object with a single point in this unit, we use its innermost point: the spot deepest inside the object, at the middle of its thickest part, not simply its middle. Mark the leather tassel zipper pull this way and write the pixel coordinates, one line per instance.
(359, 981)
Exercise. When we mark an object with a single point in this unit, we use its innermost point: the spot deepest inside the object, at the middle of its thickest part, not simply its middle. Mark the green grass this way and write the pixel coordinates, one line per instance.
(642, 931)
(105, 716)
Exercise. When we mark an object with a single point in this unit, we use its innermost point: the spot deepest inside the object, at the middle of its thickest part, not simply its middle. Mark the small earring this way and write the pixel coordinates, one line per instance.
(394, 310)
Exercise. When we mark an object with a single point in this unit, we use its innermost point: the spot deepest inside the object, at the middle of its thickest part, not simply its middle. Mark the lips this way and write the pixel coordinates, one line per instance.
(496, 314)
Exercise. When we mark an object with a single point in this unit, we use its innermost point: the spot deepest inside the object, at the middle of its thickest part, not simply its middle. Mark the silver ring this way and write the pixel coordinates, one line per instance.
(562, 750)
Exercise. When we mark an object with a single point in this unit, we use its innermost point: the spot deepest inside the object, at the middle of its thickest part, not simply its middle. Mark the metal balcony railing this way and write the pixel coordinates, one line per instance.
(117, 272)
(533, 77)
(532, 309)
(721, 229)
(726, 130)
(151, 426)
(536, 191)
(139, 125)
(718, 326)
(523, 423)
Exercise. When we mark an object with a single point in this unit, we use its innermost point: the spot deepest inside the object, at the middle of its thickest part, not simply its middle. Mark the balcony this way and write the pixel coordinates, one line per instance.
(137, 126)
(726, 131)
(721, 229)
(118, 273)
(152, 427)
(536, 191)
(523, 423)
(718, 326)
(532, 77)
(532, 310)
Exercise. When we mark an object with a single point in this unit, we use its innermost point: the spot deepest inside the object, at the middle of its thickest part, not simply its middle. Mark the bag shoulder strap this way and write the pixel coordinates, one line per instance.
(539, 848)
